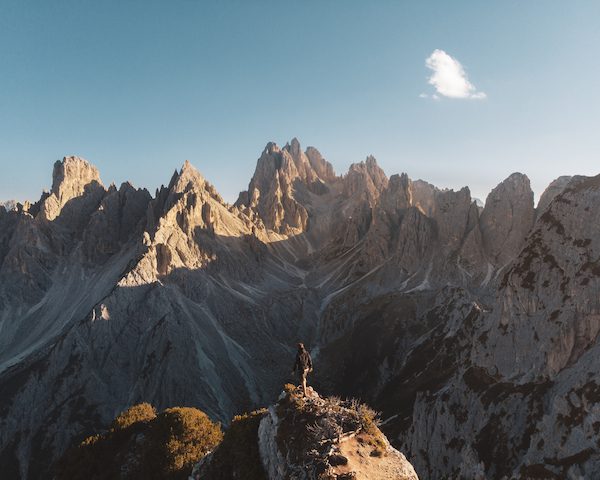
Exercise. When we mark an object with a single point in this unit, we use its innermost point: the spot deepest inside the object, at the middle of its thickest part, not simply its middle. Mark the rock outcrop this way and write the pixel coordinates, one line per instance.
(365, 180)
(552, 190)
(76, 185)
(507, 218)
(306, 437)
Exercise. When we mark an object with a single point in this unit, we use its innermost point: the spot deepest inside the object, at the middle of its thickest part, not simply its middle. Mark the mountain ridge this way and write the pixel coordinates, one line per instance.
(404, 292)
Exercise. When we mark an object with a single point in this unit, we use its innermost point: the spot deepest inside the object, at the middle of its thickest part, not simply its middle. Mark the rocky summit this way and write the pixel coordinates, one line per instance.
(305, 437)
(473, 330)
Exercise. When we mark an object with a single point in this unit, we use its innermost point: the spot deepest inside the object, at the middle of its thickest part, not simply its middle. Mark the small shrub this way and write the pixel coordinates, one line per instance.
(90, 440)
(369, 418)
(369, 422)
(289, 388)
(142, 412)
(180, 436)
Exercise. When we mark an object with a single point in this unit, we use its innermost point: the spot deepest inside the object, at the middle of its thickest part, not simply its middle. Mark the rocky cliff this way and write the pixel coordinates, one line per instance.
(306, 438)
(473, 330)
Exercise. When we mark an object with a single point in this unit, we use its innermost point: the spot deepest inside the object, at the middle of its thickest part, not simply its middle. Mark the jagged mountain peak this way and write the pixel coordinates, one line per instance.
(291, 162)
(365, 179)
(514, 187)
(71, 175)
(552, 190)
(515, 183)
(127, 185)
(73, 178)
(322, 167)
(271, 148)
(293, 146)
(190, 199)
(371, 161)
(507, 218)
(188, 177)
(269, 162)
(271, 195)
(399, 179)
(398, 193)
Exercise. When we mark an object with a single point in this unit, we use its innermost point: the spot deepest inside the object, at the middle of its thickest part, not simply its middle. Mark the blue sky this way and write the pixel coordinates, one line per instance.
(138, 87)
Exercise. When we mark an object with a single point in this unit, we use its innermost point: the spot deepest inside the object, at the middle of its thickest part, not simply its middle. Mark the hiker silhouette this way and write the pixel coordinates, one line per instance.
(303, 365)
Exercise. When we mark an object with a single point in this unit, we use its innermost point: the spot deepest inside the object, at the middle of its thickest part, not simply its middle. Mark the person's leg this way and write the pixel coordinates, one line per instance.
(304, 374)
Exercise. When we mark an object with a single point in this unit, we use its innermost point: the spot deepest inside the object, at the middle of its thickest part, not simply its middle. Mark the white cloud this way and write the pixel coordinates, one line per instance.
(449, 77)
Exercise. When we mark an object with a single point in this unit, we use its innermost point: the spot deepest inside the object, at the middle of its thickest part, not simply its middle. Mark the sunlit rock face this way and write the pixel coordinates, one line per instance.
(473, 330)
(76, 190)
(507, 218)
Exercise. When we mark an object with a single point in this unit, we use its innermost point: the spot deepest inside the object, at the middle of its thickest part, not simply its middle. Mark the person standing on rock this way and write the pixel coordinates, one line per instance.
(303, 365)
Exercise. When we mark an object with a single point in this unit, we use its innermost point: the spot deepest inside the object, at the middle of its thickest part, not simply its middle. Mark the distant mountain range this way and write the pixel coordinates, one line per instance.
(473, 329)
